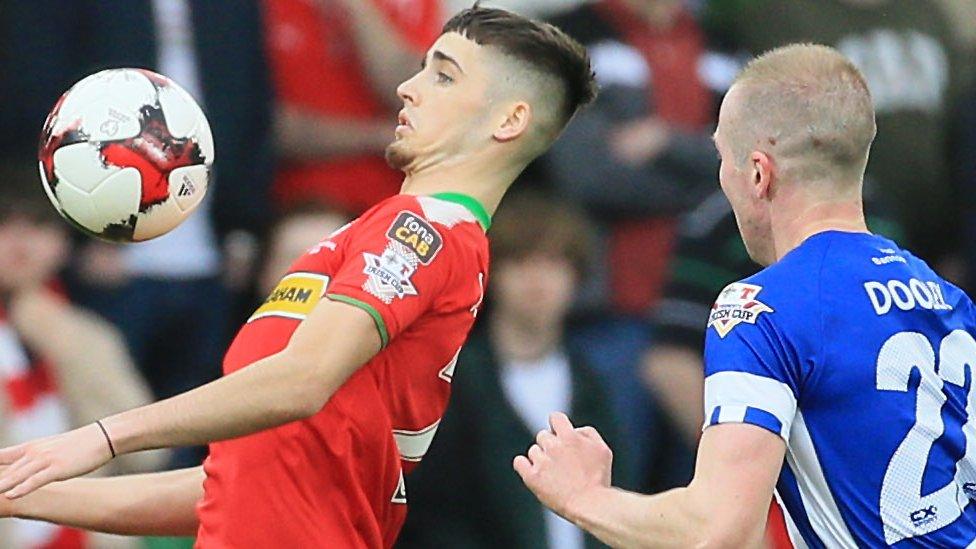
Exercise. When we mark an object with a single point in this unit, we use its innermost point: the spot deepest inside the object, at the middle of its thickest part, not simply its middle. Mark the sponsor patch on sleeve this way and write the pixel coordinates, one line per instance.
(736, 304)
(294, 297)
(388, 275)
(416, 234)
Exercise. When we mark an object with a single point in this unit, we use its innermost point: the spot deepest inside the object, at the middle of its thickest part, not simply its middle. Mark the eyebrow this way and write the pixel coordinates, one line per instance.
(441, 56)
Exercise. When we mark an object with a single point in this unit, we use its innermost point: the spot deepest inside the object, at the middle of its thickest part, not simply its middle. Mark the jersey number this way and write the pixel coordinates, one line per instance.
(905, 512)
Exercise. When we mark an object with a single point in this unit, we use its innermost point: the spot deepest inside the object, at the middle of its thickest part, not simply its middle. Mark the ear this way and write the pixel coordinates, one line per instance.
(516, 122)
(763, 174)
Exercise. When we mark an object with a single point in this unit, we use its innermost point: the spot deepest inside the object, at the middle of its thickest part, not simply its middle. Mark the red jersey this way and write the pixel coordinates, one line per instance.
(418, 265)
(317, 66)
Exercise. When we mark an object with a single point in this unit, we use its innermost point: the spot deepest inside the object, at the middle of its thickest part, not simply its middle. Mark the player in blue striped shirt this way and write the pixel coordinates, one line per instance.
(841, 376)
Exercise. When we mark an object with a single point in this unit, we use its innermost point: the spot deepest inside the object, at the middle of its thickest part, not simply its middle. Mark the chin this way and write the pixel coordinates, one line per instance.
(398, 156)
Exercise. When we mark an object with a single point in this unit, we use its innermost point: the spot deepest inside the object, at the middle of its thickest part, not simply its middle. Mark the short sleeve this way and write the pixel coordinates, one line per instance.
(395, 265)
(751, 367)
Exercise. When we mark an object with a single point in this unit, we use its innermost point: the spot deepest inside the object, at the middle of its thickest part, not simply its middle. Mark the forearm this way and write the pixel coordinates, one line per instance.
(270, 392)
(627, 519)
(303, 135)
(156, 504)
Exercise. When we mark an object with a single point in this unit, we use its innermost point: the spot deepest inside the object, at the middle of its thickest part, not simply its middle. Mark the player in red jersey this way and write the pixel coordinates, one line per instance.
(336, 384)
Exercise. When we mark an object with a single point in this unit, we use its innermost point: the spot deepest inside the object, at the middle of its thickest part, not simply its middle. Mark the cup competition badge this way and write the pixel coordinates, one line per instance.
(736, 304)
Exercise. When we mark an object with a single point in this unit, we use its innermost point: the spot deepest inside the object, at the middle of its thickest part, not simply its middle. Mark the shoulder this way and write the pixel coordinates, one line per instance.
(781, 294)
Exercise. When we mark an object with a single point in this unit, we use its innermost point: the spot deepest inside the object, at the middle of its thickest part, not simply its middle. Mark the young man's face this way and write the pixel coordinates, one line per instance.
(535, 291)
(447, 105)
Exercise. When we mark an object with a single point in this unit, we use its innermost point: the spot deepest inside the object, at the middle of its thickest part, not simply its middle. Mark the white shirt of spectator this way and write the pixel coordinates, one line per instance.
(534, 389)
(190, 251)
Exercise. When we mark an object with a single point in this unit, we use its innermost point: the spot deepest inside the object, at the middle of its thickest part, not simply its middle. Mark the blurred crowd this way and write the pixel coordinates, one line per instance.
(605, 259)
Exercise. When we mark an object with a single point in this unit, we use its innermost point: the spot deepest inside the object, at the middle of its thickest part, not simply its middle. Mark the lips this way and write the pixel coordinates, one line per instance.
(403, 120)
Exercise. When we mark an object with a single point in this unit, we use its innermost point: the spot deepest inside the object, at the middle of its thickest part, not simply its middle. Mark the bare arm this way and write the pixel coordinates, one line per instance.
(388, 58)
(84, 351)
(676, 375)
(304, 135)
(334, 341)
(155, 504)
(724, 506)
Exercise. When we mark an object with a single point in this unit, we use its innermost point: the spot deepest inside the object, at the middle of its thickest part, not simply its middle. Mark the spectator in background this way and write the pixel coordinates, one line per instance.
(336, 64)
(166, 295)
(966, 174)
(60, 367)
(635, 159)
(296, 230)
(908, 54)
(519, 366)
(641, 154)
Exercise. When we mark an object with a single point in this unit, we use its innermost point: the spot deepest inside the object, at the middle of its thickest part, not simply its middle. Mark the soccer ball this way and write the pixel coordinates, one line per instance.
(125, 155)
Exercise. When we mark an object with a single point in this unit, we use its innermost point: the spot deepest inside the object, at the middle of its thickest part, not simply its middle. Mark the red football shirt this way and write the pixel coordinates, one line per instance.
(418, 265)
(317, 66)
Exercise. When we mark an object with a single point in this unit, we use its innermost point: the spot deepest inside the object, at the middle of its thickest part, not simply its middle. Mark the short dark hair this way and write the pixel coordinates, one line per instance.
(530, 224)
(21, 193)
(541, 45)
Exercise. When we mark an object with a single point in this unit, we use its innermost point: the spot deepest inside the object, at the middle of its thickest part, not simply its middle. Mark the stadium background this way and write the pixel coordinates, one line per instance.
(605, 260)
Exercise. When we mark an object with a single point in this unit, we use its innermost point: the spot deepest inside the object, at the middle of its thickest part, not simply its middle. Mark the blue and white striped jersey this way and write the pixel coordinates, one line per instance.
(862, 359)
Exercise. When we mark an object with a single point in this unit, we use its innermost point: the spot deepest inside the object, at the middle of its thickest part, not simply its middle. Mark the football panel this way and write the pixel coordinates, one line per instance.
(178, 109)
(107, 120)
(158, 220)
(188, 185)
(48, 190)
(77, 205)
(117, 198)
(127, 89)
(81, 164)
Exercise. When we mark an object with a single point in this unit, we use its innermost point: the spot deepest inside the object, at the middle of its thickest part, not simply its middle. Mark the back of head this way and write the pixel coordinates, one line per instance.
(810, 107)
(536, 59)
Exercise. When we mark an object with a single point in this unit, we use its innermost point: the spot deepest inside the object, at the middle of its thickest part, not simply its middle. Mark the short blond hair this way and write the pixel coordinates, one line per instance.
(812, 105)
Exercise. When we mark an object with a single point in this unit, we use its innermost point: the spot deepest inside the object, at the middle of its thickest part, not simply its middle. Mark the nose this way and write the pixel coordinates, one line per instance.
(407, 91)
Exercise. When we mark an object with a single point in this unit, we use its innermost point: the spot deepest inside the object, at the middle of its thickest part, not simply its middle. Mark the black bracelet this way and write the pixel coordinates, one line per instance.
(107, 438)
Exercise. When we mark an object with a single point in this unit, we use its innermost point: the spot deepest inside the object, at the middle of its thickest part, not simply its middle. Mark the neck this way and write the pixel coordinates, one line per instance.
(515, 341)
(484, 179)
(793, 227)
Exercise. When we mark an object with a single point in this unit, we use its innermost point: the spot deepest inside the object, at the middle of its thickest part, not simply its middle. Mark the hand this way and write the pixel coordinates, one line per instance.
(565, 464)
(639, 142)
(34, 464)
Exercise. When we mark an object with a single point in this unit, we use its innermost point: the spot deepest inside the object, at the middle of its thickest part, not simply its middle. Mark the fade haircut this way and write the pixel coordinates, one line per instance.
(558, 66)
(813, 106)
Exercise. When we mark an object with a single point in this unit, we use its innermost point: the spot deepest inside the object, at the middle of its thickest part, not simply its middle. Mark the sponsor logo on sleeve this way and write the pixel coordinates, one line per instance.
(736, 304)
(294, 297)
(388, 274)
(416, 234)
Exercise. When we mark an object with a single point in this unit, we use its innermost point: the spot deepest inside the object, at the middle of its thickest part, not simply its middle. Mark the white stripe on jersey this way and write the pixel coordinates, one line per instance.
(733, 391)
(414, 444)
(446, 213)
(796, 539)
(822, 511)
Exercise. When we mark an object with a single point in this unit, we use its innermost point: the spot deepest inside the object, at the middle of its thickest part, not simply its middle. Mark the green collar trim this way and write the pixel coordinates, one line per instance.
(470, 203)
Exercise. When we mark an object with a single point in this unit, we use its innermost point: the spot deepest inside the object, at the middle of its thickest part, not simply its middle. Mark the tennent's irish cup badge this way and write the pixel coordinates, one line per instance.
(736, 304)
